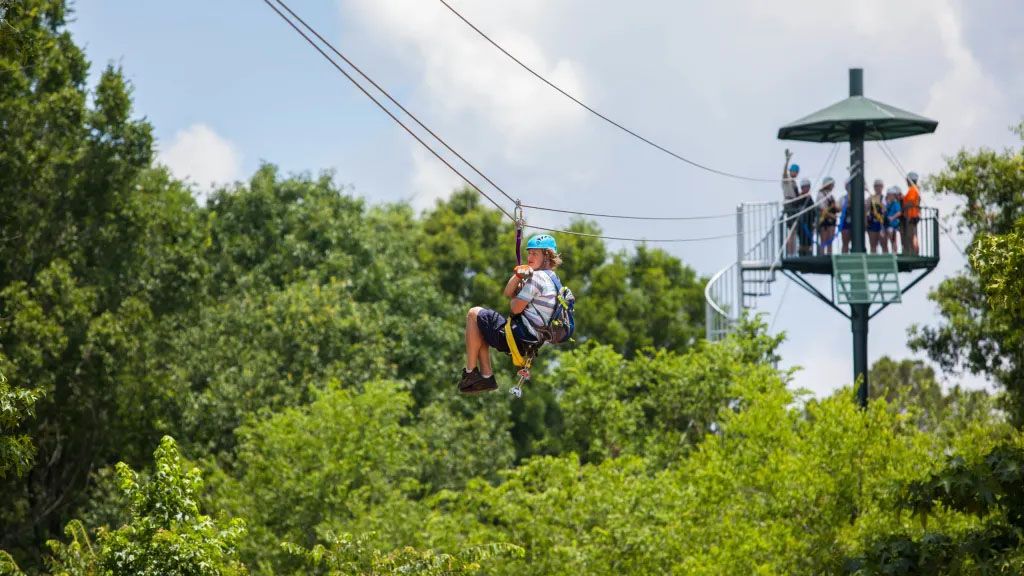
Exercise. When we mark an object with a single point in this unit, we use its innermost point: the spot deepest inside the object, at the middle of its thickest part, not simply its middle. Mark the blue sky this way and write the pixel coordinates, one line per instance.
(226, 85)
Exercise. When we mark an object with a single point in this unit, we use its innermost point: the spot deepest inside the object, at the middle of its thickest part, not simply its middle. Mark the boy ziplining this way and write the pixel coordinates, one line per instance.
(533, 289)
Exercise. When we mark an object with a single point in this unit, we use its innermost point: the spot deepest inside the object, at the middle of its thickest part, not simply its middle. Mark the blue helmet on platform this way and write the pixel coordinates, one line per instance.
(542, 241)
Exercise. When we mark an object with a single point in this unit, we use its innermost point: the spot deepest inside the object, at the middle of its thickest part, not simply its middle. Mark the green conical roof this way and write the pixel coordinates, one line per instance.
(880, 121)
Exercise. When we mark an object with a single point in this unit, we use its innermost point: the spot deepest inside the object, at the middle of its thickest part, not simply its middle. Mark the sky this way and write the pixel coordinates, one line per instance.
(227, 85)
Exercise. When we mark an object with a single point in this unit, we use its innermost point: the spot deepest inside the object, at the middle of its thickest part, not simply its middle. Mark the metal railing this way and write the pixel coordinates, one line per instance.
(927, 233)
(720, 309)
(761, 230)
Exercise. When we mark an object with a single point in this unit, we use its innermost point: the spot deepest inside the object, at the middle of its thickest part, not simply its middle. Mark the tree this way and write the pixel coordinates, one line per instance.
(343, 461)
(910, 387)
(648, 299)
(165, 533)
(998, 260)
(16, 405)
(986, 489)
(971, 337)
(96, 247)
(353, 556)
(658, 403)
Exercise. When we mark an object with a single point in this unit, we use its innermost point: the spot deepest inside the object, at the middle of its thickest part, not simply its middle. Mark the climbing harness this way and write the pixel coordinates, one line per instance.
(520, 360)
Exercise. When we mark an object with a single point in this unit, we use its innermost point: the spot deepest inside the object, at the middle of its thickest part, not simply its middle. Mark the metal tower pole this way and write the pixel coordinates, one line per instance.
(858, 312)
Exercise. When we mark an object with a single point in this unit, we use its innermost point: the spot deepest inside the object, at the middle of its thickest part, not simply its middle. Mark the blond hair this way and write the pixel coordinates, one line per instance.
(552, 258)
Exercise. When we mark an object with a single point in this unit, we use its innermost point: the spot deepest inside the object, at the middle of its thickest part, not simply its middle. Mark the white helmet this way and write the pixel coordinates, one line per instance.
(912, 176)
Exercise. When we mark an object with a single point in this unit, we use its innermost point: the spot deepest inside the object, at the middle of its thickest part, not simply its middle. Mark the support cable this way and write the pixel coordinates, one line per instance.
(392, 99)
(430, 149)
(595, 112)
(625, 217)
(657, 240)
(826, 165)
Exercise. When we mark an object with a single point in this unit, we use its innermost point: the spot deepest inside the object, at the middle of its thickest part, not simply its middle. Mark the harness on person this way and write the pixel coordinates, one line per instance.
(559, 328)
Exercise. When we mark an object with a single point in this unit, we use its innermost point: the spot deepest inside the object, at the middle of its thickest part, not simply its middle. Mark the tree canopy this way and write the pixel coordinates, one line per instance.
(265, 383)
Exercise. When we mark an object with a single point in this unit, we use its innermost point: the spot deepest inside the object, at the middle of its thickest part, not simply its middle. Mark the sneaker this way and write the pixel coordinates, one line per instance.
(473, 383)
(469, 380)
(487, 384)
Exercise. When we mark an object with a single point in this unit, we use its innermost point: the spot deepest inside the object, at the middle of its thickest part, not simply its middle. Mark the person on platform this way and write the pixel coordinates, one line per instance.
(828, 212)
(893, 212)
(911, 215)
(874, 215)
(790, 192)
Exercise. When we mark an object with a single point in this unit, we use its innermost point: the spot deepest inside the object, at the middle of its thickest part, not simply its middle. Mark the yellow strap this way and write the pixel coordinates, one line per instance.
(517, 358)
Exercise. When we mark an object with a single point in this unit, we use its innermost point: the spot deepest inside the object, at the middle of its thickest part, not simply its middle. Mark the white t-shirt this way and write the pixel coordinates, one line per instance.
(540, 294)
(789, 188)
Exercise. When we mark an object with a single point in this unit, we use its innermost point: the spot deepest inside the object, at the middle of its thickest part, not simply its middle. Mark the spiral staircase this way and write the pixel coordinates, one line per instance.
(759, 243)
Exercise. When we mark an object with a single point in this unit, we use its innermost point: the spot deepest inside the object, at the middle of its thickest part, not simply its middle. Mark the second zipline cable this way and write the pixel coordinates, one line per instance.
(383, 107)
(598, 114)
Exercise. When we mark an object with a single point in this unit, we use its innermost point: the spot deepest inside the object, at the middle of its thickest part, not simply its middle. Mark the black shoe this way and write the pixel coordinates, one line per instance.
(488, 384)
(473, 383)
(469, 380)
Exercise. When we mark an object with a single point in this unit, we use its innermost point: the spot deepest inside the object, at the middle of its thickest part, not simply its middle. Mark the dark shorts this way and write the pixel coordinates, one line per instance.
(915, 220)
(492, 328)
(874, 226)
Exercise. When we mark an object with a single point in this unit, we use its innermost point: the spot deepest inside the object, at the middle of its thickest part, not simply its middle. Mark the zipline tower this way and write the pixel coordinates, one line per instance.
(859, 280)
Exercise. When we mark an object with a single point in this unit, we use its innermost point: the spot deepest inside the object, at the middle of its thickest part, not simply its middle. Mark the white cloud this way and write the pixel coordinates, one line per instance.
(468, 82)
(431, 179)
(200, 155)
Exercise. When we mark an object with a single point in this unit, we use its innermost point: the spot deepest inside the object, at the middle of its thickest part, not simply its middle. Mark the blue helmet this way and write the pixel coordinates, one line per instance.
(542, 241)
(794, 167)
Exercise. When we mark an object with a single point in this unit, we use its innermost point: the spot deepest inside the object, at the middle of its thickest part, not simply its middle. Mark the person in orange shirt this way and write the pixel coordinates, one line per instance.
(911, 215)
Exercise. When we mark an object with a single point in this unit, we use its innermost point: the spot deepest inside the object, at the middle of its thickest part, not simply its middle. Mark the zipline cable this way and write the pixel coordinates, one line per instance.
(595, 112)
(788, 218)
(625, 217)
(393, 100)
(661, 240)
(386, 110)
(439, 139)
(827, 165)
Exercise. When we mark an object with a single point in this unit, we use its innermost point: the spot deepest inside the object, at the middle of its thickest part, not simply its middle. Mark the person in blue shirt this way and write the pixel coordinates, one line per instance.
(893, 213)
(533, 296)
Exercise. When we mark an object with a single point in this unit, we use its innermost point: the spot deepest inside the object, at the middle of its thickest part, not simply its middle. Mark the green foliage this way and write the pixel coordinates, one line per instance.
(304, 346)
(468, 249)
(777, 489)
(657, 404)
(341, 461)
(998, 260)
(16, 405)
(972, 336)
(648, 299)
(165, 535)
(8, 567)
(987, 488)
(347, 555)
(909, 386)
